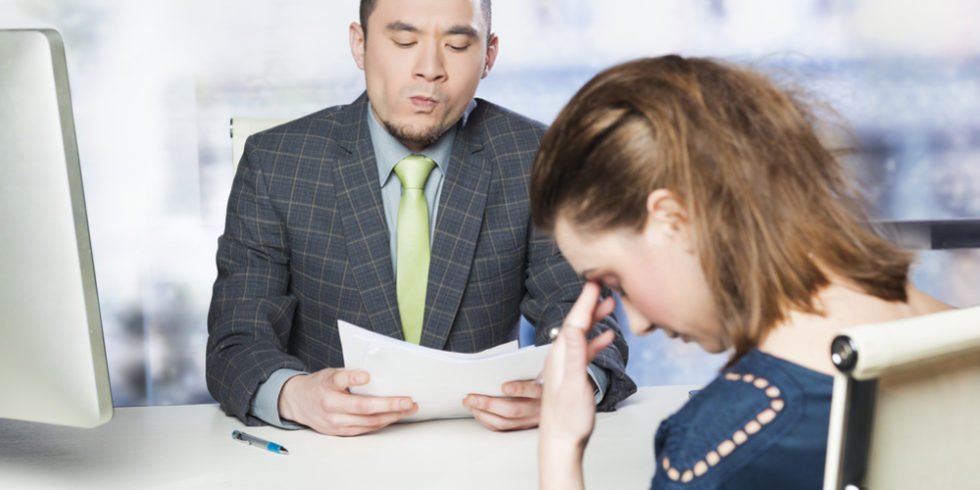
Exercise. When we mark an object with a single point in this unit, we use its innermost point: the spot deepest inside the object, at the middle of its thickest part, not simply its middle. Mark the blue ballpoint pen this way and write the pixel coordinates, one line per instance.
(260, 443)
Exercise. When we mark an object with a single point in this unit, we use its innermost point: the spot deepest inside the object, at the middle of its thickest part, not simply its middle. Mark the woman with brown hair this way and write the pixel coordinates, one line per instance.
(702, 194)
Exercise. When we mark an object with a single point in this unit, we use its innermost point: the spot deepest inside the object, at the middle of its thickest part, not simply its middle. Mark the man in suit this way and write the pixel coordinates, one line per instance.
(314, 234)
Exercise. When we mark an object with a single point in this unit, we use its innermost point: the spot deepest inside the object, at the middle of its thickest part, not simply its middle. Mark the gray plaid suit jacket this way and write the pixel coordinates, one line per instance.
(306, 244)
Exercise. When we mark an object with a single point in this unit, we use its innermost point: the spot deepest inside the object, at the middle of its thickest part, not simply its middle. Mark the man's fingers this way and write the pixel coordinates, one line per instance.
(498, 423)
(525, 389)
(495, 422)
(367, 405)
(508, 408)
(345, 424)
(357, 404)
(345, 378)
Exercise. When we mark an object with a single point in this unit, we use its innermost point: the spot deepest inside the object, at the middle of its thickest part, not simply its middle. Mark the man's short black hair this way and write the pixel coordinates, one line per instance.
(367, 6)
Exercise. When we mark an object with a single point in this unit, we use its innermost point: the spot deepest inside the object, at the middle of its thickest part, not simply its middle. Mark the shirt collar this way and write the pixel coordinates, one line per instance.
(388, 151)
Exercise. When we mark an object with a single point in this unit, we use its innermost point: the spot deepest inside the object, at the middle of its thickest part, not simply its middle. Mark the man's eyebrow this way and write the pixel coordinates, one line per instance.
(462, 30)
(457, 30)
(401, 26)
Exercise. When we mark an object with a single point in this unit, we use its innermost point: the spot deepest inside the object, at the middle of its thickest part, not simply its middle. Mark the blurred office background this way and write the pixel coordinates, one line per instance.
(155, 83)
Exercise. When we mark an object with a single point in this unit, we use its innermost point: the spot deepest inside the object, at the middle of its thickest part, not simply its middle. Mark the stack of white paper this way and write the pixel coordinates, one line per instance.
(437, 380)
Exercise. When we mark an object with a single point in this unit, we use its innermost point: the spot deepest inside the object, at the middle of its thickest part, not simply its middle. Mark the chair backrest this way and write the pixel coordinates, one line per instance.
(243, 127)
(906, 404)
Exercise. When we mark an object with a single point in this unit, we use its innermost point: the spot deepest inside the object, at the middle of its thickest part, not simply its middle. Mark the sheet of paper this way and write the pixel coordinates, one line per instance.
(437, 380)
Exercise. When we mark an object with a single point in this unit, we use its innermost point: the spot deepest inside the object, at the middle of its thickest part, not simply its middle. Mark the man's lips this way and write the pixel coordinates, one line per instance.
(422, 101)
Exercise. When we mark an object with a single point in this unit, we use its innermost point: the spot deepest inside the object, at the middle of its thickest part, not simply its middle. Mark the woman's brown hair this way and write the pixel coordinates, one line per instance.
(772, 208)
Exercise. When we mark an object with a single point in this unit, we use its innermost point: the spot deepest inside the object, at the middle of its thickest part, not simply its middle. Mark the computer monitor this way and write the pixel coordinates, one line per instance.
(52, 354)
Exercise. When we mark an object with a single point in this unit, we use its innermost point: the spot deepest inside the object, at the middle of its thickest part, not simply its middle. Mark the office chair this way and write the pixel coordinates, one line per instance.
(905, 411)
(243, 127)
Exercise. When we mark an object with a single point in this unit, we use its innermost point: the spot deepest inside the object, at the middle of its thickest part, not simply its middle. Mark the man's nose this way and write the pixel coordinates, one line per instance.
(430, 64)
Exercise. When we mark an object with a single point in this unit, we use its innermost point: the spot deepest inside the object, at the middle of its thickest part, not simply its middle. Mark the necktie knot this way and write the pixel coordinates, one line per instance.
(414, 170)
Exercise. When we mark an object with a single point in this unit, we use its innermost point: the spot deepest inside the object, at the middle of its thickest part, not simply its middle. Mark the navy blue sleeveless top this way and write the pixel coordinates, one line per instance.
(761, 424)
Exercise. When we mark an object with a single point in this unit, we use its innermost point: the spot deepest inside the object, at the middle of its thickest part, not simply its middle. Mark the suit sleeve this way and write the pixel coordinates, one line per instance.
(552, 288)
(251, 310)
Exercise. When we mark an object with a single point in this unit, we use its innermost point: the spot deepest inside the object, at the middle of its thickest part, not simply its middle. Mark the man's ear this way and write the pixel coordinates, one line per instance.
(493, 47)
(357, 43)
(667, 218)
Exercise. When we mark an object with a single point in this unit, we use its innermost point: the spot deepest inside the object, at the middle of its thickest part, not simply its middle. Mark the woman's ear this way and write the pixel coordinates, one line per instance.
(667, 218)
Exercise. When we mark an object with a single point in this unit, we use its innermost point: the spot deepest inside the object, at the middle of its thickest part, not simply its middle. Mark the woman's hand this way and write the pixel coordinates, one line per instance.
(568, 407)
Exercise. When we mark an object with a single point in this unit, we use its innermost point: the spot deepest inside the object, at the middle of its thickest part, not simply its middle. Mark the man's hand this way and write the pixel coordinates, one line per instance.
(322, 402)
(520, 409)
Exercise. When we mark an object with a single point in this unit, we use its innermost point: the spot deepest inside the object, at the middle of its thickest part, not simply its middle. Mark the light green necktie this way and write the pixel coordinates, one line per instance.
(413, 243)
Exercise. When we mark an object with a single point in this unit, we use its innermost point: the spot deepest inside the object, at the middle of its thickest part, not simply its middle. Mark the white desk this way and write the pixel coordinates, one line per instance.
(191, 447)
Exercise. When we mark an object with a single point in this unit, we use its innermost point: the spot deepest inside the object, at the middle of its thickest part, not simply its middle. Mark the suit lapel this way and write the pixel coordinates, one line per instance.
(461, 208)
(368, 242)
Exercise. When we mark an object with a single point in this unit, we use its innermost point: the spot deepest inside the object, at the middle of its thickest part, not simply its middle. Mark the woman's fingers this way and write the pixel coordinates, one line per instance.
(604, 309)
(571, 351)
(583, 312)
(600, 342)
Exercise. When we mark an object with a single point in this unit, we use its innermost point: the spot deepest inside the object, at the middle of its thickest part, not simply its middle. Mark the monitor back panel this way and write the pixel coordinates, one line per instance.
(52, 355)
